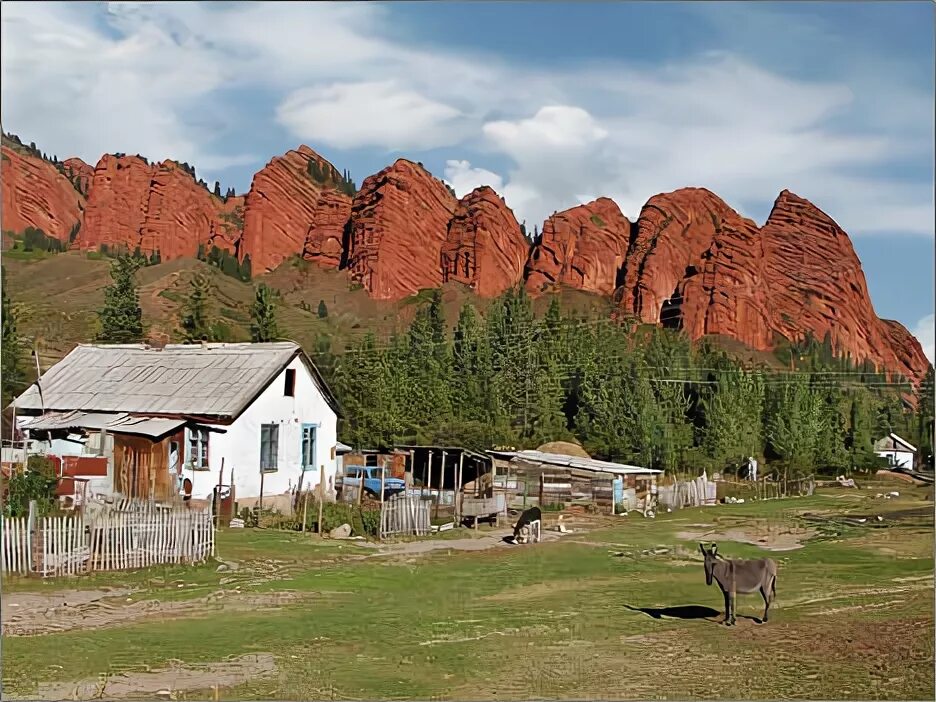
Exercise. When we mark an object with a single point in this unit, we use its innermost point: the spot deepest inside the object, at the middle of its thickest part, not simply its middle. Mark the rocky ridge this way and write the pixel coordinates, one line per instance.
(689, 261)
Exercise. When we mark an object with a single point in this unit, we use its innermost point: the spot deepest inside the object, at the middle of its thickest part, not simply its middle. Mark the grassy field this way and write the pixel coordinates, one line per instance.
(616, 609)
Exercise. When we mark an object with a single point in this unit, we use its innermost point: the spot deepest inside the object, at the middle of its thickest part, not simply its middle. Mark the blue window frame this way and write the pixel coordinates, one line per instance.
(307, 448)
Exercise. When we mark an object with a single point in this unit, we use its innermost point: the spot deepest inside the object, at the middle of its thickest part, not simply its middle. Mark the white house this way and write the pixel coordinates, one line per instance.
(164, 415)
(898, 452)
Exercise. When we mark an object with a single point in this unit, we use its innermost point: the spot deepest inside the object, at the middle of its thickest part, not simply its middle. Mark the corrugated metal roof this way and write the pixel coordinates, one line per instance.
(117, 423)
(591, 464)
(211, 379)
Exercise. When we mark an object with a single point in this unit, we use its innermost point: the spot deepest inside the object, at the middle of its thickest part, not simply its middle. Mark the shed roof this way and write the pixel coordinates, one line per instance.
(215, 380)
(892, 442)
(116, 423)
(590, 464)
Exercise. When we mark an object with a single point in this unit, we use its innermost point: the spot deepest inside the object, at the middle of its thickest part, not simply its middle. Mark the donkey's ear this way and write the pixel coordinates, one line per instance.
(714, 549)
(702, 548)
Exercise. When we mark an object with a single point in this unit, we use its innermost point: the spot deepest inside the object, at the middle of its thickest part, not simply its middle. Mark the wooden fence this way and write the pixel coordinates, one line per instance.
(108, 540)
(404, 515)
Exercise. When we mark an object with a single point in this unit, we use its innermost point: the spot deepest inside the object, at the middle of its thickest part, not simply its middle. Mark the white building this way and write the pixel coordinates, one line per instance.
(164, 415)
(898, 452)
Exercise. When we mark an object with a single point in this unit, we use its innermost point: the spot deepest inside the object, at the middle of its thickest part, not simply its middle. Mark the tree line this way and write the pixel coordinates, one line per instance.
(628, 393)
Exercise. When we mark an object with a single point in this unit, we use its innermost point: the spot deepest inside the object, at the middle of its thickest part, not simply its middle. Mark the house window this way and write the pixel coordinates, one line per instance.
(269, 447)
(308, 447)
(290, 389)
(198, 449)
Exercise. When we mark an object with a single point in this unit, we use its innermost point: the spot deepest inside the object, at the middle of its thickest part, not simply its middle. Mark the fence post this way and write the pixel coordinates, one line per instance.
(31, 537)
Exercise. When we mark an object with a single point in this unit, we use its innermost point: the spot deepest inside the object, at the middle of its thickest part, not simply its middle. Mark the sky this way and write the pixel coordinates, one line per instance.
(552, 104)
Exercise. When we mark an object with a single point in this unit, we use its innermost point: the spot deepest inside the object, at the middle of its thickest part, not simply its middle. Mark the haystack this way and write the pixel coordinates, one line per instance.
(564, 448)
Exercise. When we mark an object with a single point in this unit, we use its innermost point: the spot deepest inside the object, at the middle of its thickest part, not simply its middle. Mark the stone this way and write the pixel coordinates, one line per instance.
(283, 208)
(399, 223)
(36, 194)
(484, 247)
(340, 532)
(582, 248)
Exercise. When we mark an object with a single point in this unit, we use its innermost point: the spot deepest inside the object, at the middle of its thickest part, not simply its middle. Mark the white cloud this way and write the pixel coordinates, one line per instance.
(463, 177)
(371, 114)
(168, 80)
(925, 332)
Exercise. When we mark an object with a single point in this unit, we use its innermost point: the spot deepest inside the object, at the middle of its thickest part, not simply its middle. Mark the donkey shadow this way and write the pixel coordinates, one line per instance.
(685, 612)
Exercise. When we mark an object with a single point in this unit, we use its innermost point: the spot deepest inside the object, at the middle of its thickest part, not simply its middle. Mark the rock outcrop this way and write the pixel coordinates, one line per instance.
(689, 262)
(399, 221)
(282, 205)
(79, 173)
(36, 194)
(695, 264)
(484, 248)
(157, 208)
(815, 284)
(326, 240)
(584, 248)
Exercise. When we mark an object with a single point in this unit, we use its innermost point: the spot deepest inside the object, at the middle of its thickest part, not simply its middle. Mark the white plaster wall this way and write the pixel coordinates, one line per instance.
(240, 445)
(898, 457)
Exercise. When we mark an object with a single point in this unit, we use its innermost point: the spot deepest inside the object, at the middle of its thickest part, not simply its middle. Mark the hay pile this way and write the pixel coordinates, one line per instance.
(564, 448)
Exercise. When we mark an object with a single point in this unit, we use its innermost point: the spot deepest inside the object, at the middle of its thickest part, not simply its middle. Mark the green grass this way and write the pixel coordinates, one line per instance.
(854, 617)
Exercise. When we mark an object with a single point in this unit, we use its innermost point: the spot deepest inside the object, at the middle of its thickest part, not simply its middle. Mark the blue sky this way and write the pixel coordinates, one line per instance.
(550, 103)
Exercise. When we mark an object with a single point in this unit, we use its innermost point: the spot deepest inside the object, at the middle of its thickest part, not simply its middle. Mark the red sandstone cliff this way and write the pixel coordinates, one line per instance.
(325, 241)
(36, 194)
(156, 207)
(690, 260)
(484, 247)
(583, 247)
(283, 205)
(399, 221)
(815, 284)
(79, 173)
(696, 263)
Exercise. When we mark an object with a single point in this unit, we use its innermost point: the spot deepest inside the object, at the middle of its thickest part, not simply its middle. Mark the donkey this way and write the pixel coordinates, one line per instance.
(745, 577)
(530, 522)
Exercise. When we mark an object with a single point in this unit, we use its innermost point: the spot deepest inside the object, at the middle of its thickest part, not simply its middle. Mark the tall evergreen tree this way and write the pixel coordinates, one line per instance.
(11, 373)
(263, 325)
(322, 310)
(121, 317)
(794, 426)
(925, 419)
(195, 313)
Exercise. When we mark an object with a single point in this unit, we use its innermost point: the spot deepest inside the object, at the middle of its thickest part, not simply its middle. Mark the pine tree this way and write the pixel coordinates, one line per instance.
(11, 370)
(924, 419)
(322, 310)
(734, 412)
(217, 188)
(121, 317)
(195, 313)
(263, 325)
(245, 269)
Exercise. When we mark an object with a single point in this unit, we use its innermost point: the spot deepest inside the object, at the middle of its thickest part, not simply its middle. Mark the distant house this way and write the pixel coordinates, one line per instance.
(898, 452)
(166, 419)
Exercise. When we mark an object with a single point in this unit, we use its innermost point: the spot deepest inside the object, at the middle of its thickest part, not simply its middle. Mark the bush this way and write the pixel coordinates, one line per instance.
(37, 483)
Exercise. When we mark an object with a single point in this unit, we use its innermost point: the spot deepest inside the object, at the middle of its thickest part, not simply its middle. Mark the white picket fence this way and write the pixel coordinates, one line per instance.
(691, 493)
(108, 540)
(403, 515)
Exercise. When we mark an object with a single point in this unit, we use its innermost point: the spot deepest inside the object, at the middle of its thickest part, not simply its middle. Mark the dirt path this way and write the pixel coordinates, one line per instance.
(30, 614)
(765, 538)
(162, 683)
(483, 542)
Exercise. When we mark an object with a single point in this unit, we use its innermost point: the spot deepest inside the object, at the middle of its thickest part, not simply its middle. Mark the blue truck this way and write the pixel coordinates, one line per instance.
(351, 481)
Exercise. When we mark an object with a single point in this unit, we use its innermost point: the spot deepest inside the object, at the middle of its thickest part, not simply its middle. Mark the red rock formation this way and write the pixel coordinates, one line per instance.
(399, 221)
(815, 284)
(282, 205)
(80, 173)
(325, 240)
(36, 194)
(484, 248)
(156, 207)
(695, 264)
(583, 248)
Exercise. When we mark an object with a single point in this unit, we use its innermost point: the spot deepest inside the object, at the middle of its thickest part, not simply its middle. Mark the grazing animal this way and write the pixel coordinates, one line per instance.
(745, 577)
(529, 518)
